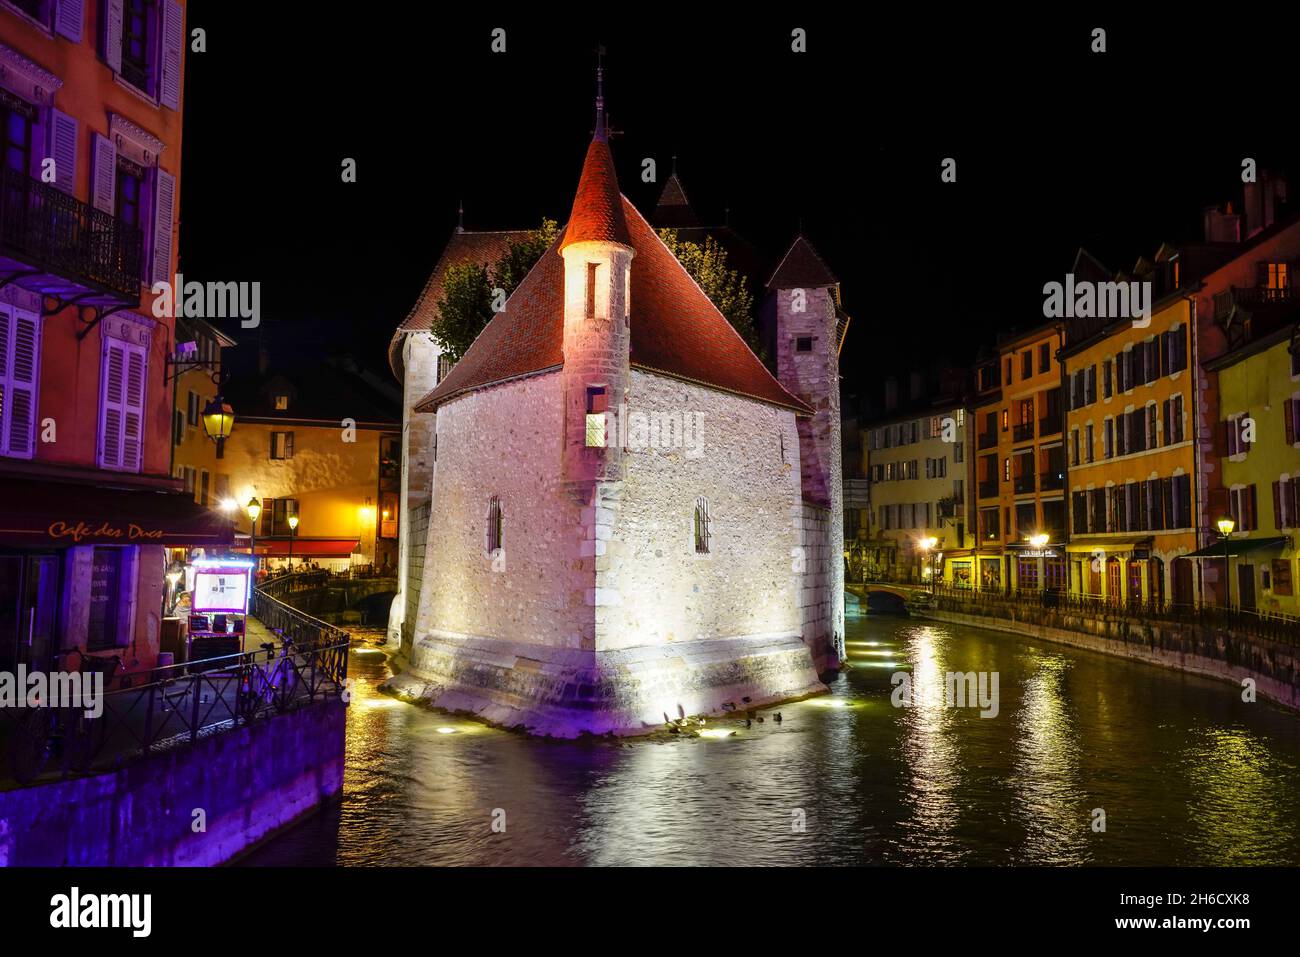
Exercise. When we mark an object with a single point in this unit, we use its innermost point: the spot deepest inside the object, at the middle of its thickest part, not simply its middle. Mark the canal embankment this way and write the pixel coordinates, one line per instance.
(1199, 648)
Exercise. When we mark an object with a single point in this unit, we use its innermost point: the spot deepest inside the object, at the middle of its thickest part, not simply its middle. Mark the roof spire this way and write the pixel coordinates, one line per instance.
(602, 130)
(460, 217)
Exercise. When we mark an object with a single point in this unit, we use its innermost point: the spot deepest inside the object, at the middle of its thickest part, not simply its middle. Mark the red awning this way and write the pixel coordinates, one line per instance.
(303, 547)
(63, 514)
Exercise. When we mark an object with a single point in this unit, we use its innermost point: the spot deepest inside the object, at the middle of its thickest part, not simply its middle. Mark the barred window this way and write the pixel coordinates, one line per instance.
(702, 531)
(493, 525)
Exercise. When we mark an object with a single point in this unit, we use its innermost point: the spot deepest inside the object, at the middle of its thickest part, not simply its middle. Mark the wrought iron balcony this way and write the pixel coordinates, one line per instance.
(1022, 431)
(1050, 425)
(1024, 483)
(56, 245)
(988, 489)
(987, 440)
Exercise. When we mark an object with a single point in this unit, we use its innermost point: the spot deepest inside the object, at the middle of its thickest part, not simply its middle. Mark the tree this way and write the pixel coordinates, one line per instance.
(726, 288)
(468, 289)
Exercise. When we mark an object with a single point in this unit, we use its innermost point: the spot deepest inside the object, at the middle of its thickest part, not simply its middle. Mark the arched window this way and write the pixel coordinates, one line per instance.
(493, 525)
(702, 531)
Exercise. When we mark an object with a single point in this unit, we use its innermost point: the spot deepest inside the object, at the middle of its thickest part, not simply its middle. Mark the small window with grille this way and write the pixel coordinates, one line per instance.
(597, 404)
(703, 533)
(494, 525)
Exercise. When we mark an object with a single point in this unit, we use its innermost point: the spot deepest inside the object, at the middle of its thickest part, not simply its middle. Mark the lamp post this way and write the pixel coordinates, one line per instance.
(927, 546)
(1226, 525)
(293, 533)
(254, 509)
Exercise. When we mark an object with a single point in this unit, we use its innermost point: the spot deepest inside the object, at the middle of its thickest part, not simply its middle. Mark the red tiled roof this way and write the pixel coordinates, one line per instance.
(484, 248)
(802, 268)
(597, 206)
(676, 329)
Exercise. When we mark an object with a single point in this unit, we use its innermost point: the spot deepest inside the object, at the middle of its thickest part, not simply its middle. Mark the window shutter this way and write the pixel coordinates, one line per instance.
(164, 200)
(1254, 514)
(63, 150)
(112, 34)
(104, 180)
(1288, 417)
(68, 19)
(1277, 505)
(173, 40)
(112, 401)
(288, 445)
(267, 515)
(133, 412)
(20, 403)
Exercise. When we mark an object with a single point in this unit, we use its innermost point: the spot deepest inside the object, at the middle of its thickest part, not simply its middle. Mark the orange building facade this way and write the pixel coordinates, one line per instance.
(90, 151)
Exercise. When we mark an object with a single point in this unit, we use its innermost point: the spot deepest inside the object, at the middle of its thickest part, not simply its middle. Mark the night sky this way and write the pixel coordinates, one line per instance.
(1056, 147)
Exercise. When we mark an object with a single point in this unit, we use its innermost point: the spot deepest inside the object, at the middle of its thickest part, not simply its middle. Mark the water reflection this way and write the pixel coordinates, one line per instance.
(1186, 772)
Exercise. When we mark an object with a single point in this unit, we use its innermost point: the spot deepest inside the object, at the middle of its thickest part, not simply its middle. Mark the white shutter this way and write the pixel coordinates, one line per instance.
(68, 19)
(173, 41)
(6, 338)
(104, 180)
(63, 150)
(112, 36)
(164, 202)
(20, 407)
(112, 390)
(133, 412)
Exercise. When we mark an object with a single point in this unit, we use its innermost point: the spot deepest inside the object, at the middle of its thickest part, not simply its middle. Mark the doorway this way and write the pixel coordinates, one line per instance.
(1246, 586)
(29, 600)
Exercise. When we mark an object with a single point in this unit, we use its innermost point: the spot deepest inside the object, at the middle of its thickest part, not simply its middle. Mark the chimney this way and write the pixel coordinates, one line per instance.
(916, 386)
(1222, 227)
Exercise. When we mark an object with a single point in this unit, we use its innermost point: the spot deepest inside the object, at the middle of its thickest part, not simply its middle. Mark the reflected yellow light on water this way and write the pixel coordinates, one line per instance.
(716, 733)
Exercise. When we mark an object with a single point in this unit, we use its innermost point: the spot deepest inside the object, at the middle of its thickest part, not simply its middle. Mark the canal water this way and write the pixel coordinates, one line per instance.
(1184, 771)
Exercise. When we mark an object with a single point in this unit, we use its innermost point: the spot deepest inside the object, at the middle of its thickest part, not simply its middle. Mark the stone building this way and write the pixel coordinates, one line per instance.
(629, 515)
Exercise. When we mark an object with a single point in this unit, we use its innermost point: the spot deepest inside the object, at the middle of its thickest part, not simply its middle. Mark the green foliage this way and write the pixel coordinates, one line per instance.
(727, 288)
(466, 304)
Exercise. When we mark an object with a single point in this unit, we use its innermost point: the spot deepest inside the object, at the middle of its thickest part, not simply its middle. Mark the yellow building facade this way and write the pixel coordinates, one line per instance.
(1259, 389)
(198, 372)
(917, 465)
(1131, 459)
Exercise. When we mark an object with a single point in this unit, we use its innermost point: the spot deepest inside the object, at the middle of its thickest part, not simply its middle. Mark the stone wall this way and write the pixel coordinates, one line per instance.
(743, 457)
(1197, 649)
(821, 586)
(419, 536)
(249, 783)
(503, 441)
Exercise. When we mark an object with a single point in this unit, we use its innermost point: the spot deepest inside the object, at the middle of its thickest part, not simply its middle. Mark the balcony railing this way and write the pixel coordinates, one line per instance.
(1024, 483)
(1050, 481)
(1050, 425)
(1022, 432)
(1251, 296)
(987, 440)
(988, 489)
(56, 233)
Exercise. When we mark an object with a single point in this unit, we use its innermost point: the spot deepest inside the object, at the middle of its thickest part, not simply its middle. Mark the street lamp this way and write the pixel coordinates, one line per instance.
(293, 533)
(927, 546)
(1226, 525)
(1039, 540)
(218, 419)
(254, 509)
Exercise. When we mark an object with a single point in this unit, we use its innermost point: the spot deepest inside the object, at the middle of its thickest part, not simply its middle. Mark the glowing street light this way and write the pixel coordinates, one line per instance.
(927, 546)
(254, 509)
(1039, 540)
(1226, 525)
(293, 533)
(218, 419)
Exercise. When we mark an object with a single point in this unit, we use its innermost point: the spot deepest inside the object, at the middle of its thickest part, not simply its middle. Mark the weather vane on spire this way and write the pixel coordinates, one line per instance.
(602, 131)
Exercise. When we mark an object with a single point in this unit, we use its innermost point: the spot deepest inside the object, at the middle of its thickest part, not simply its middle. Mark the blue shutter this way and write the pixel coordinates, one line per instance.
(112, 34)
(68, 19)
(104, 181)
(173, 42)
(63, 150)
(164, 203)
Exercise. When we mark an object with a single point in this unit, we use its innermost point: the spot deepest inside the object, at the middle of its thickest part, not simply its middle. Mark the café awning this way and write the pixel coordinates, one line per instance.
(1239, 546)
(302, 547)
(62, 514)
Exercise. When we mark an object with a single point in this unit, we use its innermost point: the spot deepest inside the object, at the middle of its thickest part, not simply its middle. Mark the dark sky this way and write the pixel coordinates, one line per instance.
(1056, 147)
